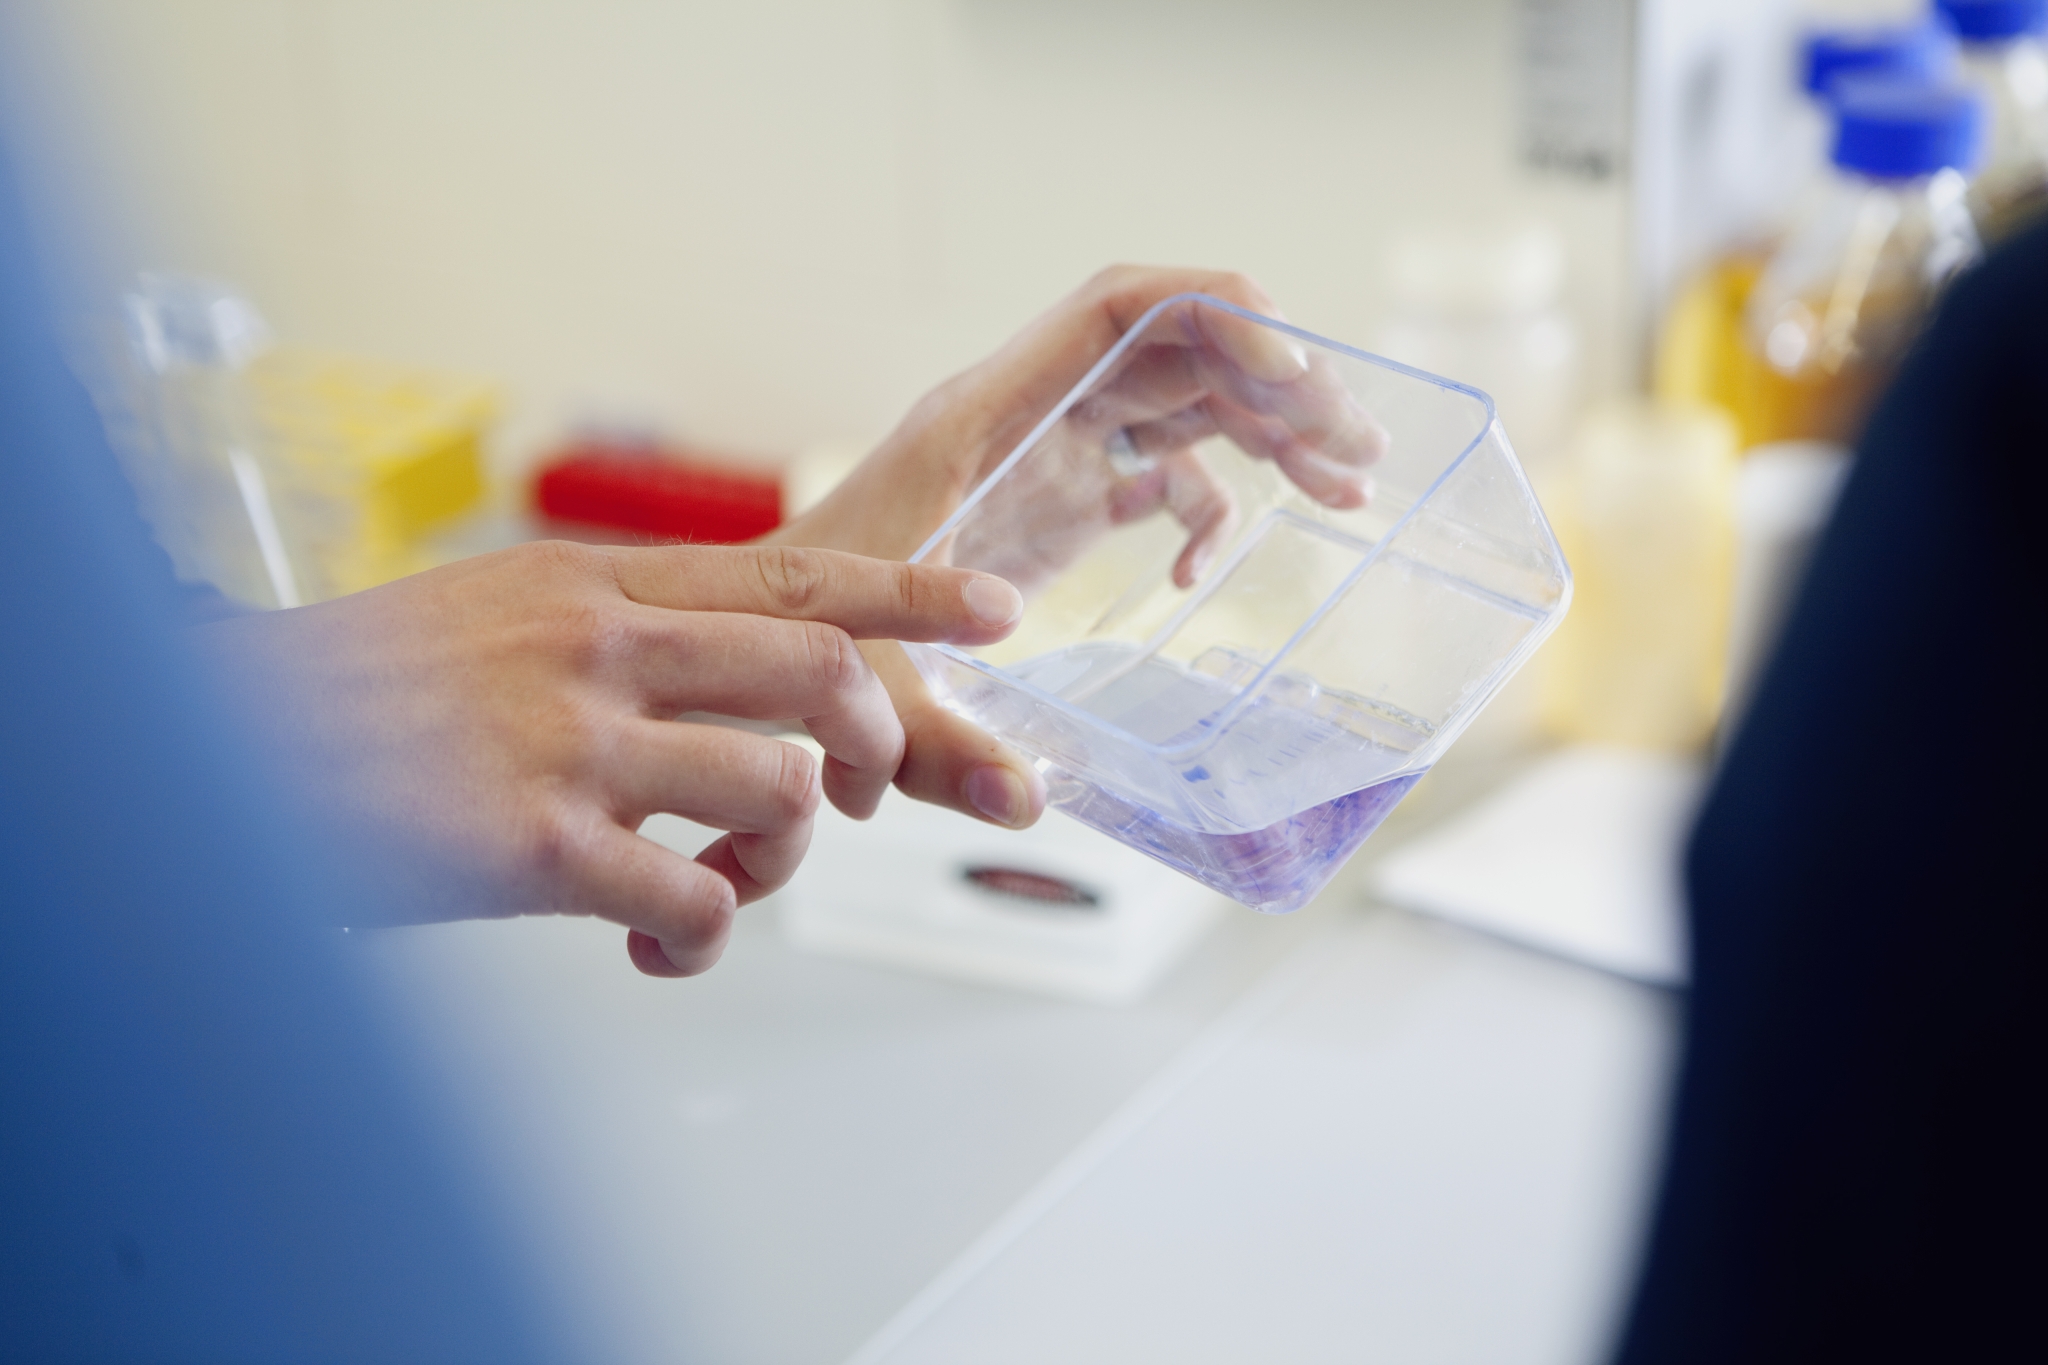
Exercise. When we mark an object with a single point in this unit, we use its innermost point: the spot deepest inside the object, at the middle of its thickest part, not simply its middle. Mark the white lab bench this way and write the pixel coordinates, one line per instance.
(1347, 1134)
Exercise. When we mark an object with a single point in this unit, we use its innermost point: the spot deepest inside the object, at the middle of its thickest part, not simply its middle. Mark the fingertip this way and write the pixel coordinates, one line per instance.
(992, 601)
(1372, 438)
(1349, 497)
(852, 791)
(1002, 796)
(648, 955)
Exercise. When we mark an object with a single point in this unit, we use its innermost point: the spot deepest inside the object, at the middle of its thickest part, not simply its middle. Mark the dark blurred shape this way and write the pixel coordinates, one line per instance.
(210, 1151)
(1856, 1164)
(1036, 888)
(657, 492)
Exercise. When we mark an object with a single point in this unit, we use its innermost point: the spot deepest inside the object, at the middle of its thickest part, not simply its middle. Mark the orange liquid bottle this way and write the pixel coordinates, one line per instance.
(1843, 297)
(1702, 356)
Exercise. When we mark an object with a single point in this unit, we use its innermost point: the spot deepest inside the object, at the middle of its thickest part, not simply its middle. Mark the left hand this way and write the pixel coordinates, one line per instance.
(1209, 372)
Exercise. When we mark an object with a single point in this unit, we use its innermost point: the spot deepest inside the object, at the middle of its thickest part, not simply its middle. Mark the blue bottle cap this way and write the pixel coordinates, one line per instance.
(1925, 50)
(1991, 21)
(1894, 129)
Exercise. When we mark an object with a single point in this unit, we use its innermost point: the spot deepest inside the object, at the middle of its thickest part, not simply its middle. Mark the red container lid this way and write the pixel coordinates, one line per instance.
(658, 493)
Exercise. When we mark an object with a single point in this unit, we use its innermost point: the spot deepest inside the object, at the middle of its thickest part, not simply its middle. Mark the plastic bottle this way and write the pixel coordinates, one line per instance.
(2004, 55)
(1845, 294)
(281, 476)
(1699, 345)
(178, 408)
(1644, 510)
(1488, 308)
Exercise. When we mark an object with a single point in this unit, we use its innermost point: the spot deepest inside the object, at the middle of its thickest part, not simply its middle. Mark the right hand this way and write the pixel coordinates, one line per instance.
(502, 726)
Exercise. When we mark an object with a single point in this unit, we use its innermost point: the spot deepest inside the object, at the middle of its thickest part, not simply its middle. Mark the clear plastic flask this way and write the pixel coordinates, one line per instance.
(1269, 579)
(1846, 292)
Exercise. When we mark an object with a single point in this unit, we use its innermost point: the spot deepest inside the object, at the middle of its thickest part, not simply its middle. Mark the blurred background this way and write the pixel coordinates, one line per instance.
(770, 227)
(366, 286)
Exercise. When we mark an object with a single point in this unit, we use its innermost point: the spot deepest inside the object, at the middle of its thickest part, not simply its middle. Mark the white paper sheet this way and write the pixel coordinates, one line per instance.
(1579, 857)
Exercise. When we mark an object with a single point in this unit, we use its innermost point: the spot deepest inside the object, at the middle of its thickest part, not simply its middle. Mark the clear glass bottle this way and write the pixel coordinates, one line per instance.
(1845, 294)
(2004, 55)
(179, 410)
(1925, 51)
(1700, 343)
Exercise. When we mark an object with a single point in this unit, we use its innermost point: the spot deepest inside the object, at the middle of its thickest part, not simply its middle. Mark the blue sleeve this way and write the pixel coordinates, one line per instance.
(210, 1148)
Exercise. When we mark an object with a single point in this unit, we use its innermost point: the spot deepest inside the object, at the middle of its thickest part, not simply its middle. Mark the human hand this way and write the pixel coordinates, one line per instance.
(1127, 448)
(1123, 453)
(501, 726)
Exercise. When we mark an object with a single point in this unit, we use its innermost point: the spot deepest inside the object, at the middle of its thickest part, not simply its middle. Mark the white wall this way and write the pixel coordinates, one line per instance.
(766, 225)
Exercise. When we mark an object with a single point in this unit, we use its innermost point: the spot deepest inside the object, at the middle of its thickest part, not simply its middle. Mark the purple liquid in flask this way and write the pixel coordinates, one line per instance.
(1276, 866)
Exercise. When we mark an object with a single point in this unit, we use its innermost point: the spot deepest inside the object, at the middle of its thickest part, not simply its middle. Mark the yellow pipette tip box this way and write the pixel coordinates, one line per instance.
(391, 451)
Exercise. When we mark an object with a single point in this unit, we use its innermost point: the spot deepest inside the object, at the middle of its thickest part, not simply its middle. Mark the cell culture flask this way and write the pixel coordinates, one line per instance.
(1269, 579)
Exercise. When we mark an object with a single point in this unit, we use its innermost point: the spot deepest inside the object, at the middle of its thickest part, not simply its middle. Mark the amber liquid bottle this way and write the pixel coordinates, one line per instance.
(1843, 297)
(1701, 355)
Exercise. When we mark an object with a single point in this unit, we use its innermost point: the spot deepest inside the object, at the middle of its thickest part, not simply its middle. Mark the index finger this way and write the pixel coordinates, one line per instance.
(869, 599)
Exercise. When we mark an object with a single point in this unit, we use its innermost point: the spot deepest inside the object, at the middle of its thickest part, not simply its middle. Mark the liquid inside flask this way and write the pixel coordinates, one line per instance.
(1269, 579)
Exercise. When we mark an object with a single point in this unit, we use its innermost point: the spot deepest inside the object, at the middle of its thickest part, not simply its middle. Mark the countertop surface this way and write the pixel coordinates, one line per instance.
(1343, 1134)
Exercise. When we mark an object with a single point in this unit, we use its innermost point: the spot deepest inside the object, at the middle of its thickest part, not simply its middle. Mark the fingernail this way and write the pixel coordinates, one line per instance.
(995, 792)
(1279, 359)
(993, 602)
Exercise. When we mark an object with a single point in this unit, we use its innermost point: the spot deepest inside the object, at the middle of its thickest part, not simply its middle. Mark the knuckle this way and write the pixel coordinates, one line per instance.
(555, 840)
(1115, 276)
(1091, 414)
(795, 787)
(584, 734)
(907, 586)
(1241, 285)
(563, 558)
(570, 606)
(595, 636)
(794, 578)
(835, 660)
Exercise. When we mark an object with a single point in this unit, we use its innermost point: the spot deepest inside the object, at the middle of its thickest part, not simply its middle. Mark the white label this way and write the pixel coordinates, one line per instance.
(1576, 59)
